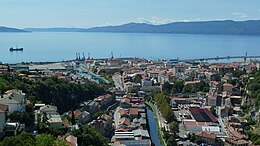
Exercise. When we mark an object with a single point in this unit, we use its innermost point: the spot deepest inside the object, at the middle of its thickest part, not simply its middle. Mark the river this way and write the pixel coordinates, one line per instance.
(153, 128)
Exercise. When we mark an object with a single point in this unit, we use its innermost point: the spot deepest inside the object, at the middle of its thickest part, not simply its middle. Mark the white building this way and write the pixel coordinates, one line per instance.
(51, 112)
(15, 100)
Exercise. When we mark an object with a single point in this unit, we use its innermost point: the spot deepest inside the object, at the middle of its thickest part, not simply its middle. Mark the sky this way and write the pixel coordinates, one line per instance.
(90, 13)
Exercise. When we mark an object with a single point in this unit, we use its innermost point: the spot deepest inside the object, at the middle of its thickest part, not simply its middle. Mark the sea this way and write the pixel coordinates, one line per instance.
(59, 46)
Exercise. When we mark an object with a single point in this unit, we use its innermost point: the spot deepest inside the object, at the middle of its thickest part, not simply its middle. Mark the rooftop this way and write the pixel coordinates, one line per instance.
(203, 115)
(206, 135)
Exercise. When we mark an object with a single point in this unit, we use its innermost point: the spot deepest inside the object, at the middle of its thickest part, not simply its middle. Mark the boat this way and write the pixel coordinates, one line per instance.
(15, 49)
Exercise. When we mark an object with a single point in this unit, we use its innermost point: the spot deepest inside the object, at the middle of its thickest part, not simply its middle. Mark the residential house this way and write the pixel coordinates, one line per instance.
(51, 114)
(206, 138)
(105, 100)
(228, 87)
(3, 112)
(15, 100)
(236, 142)
(104, 125)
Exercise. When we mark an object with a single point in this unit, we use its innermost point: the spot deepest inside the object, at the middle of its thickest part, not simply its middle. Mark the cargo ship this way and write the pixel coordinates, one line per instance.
(16, 49)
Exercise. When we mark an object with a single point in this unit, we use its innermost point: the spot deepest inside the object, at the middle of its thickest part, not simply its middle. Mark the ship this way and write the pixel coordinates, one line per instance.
(15, 49)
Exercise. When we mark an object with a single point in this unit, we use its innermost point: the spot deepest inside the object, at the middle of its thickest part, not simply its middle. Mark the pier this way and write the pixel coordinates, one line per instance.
(214, 58)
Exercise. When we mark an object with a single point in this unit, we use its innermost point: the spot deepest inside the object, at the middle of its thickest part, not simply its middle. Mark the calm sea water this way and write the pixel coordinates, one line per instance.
(47, 46)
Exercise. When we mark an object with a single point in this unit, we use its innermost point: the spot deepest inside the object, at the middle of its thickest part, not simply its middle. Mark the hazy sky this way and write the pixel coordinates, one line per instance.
(88, 13)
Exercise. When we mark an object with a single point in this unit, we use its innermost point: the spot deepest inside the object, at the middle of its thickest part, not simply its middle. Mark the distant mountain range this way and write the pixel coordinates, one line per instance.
(9, 29)
(53, 29)
(226, 27)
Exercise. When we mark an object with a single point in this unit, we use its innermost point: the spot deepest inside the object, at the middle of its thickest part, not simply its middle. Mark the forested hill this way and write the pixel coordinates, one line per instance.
(51, 90)
(251, 108)
(227, 27)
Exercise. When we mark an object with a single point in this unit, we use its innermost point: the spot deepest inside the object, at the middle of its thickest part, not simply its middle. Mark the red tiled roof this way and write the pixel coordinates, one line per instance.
(178, 98)
(227, 84)
(125, 100)
(104, 96)
(77, 113)
(117, 142)
(123, 112)
(133, 111)
(235, 133)
(3, 108)
(135, 99)
(61, 77)
(65, 123)
(121, 130)
(203, 134)
(237, 141)
(125, 122)
(203, 115)
(194, 123)
(72, 140)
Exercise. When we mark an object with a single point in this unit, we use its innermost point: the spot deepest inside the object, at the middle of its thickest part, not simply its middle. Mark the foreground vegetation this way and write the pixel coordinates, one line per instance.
(251, 108)
(26, 139)
(179, 87)
(51, 90)
(88, 136)
(162, 100)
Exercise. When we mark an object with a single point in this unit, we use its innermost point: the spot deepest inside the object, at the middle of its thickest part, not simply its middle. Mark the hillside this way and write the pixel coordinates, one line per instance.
(228, 27)
(53, 29)
(8, 29)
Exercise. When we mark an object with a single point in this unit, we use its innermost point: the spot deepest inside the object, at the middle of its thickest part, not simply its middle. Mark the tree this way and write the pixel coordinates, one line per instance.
(174, 91)
(88, 136)
(51, 90)
(42, 123)
(179, 85)
(121, 72)
(174, 127)
(189, 89)
(72, 117)
(171, 141)
(22, 117)
(162, 100)
(213, 111)
(202, 86)
(137, 78)
(26, 139)
(44, 140)
(167, 87)
(56, 130)
(20, 140)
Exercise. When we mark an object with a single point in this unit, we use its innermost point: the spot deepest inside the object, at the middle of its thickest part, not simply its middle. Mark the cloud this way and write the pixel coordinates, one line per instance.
(258, 10)
(152, 20)
(155, 20)
(240, 15)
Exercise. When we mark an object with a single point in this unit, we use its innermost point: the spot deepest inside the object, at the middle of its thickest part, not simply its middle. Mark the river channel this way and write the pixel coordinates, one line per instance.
(153, 127)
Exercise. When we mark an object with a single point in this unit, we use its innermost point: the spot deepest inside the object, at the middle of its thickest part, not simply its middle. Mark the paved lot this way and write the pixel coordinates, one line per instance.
(182, 114)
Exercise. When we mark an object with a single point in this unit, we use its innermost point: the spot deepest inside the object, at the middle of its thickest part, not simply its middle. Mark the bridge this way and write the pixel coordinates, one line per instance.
(214, 58)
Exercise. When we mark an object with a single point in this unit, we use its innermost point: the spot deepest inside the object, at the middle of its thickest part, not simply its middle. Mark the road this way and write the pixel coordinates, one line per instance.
(221, 120)
(117, 116)
(85, 73)
(117, 82)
